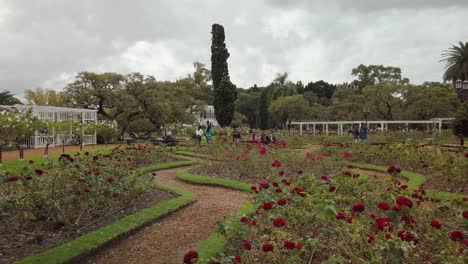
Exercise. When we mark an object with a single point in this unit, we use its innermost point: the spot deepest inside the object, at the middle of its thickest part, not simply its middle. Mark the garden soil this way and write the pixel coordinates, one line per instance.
(167, 241)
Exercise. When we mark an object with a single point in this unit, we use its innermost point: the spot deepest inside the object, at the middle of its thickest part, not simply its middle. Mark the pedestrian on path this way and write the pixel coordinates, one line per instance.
(198, 135)
(363, 132)
(355, 133)
(236, 136)
(209, 134)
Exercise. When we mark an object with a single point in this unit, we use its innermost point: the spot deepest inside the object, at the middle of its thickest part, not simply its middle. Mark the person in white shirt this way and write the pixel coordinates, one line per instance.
(198, 135)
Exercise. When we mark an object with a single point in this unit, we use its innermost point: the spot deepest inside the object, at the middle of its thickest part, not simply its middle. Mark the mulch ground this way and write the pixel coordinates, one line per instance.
(17, 243)
(166, 241)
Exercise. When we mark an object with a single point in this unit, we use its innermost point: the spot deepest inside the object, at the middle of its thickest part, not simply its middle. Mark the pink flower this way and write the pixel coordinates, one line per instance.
(262, 150)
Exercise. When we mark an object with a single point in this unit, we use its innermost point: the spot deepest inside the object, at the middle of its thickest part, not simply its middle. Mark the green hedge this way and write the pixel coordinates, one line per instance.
(184, 175)
(91, 241)
(192, 154)
(415, 180)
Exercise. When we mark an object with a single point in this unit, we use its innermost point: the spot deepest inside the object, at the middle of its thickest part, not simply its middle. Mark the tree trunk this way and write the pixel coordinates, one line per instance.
(46, 150)
(21, 152)
(1, 149)
(462, 144)
(63, 147)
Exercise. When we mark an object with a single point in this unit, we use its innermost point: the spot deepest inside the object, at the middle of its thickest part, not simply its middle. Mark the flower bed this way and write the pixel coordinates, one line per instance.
(64, 198)
(340, 218)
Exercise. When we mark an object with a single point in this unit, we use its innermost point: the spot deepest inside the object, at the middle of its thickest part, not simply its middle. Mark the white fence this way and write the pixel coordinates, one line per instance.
(41, 141)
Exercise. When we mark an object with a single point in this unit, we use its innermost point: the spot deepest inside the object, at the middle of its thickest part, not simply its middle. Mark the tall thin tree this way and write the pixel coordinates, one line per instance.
(224, 90)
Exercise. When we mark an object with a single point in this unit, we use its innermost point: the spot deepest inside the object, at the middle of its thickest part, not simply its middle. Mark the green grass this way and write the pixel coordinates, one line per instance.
(184, 175)
(192, 154)
(216, 241)
(16, 165)
(91, 241)
(415, 180)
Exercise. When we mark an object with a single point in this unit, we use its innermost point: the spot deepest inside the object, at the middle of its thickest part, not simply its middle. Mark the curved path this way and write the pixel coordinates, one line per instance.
(168, 239)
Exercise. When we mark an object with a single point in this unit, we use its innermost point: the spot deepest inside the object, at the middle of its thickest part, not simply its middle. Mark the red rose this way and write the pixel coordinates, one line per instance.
(110, 180)
(28, 177)
(13, 178)
(289, 245)
(396, 207)
(358, 208)
(465, 215)
(278, 190)
(331, 189)
(267, 247)
(370, 238)
(380, 223)
(153, 174)
(298, 246)
(86, 190)
(456, 236)
(340, 215)
(253, 222)
(262, 150)
(253, 188)
(391, 169)
(350, 166)
(281, 173)
(383, 205)
(282, 201)
(114, 195)
(237, 259)
(190, 257)
(404, 187)
(346, 155)
(287, 183)
(405, 236)
(404, 201)
(356, 175)
(350, 219)
(300, 171)
(275, 184)
(244, 219)
(267, 206)
(31, 161)
(279, 222)
(247, 246)
(436, 224)
(276, 163)
(388, 236)
(264, 185)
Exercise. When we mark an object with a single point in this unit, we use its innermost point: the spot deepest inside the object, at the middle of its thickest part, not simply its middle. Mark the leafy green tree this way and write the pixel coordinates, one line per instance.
(288, 108)
(456, 62)
(7, 98)
(346, 104)
(105, 130)
(321, 89)
(238, 120)
(426, 103)
(374, 74)
(224, 90)
(385, 98)
(41, 96)
(460, 124)
(247, 105)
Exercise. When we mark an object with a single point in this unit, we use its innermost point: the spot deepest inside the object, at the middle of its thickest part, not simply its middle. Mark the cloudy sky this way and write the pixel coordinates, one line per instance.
(44, 43)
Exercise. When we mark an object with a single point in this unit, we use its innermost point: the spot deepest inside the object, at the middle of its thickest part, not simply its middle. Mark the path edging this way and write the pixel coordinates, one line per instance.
(91, 241)
(209, 247)
(415, 180)
(192, 154)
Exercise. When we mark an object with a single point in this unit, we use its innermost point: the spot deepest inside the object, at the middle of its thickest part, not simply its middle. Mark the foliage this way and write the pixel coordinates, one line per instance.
(460, 123)
(18, 126)
(456, 59)
(224, 90)
(374, 74)
(7, 98)
(105, 130)
(48, 97)
(238, 120)
(289, 108)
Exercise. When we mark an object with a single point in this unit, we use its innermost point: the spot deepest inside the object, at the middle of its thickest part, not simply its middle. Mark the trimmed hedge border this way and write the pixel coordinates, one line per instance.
(209, 247)
(415, 180)
(184, 175)
(192, 154)
(91, 241)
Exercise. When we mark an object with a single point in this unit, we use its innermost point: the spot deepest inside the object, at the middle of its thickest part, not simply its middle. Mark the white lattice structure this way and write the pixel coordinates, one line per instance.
(436, 123)
(56, 114)
(207, 115)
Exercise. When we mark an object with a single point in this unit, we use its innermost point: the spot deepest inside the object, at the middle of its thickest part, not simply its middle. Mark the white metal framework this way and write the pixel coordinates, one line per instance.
(56, 114)
(383, 124)
(207, 115)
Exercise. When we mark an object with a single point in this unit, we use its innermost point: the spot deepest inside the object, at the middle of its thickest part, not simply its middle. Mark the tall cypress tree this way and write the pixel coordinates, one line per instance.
(224, 90)
(263, 110)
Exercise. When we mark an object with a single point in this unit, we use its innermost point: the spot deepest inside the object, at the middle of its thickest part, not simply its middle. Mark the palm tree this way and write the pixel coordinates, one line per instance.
(7, 98)
(456, 66)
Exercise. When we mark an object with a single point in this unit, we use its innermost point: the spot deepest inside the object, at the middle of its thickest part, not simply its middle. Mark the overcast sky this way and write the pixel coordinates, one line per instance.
(44, 43)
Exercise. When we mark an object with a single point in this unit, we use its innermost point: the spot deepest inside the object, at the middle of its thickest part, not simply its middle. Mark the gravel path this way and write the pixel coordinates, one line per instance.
(167, 240)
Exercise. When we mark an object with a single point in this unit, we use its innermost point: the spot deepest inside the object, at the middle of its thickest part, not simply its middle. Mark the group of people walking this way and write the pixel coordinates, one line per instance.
(359, 133)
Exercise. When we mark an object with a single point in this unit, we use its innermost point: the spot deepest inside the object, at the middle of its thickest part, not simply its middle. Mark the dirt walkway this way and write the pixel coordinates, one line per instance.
(29, 153)
(167, 240)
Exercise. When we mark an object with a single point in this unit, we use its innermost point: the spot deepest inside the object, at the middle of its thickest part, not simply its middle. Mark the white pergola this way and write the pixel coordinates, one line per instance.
(436, 123)
(56, 114)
